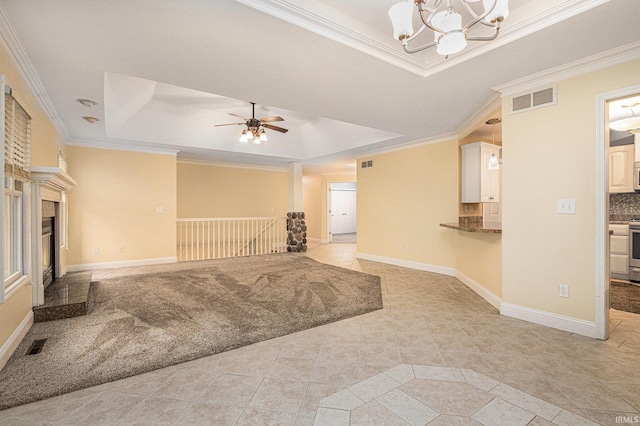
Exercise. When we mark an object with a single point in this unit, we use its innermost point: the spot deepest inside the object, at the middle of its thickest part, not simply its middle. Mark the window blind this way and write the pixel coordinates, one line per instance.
(17, 138)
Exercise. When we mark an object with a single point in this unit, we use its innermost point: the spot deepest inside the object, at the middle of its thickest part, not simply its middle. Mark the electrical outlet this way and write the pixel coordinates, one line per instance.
(96, 250)
(121, 249)
(401, 248)
(563, 290)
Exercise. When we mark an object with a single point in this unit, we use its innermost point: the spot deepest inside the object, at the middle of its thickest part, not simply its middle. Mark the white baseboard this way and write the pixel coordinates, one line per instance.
(408, 264)
(9, 347)
(494, 300)
(560, 322)
(122, 264)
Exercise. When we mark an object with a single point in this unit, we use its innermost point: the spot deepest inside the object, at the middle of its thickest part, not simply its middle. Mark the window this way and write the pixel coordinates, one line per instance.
(15, 202)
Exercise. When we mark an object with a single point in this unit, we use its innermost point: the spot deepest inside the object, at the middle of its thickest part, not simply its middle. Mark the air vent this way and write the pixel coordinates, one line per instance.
(36, 347)
(533, 100)
(368, 163)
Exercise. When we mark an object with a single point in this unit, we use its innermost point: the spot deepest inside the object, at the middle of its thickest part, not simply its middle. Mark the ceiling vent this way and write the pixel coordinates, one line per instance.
(533, 100)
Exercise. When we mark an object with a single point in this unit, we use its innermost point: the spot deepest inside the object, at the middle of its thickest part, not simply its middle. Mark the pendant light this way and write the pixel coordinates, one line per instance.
(494, 163)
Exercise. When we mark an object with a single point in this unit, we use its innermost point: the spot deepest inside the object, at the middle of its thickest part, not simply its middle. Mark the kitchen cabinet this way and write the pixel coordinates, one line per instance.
(621, 160)
(479, 184)
(619, 251)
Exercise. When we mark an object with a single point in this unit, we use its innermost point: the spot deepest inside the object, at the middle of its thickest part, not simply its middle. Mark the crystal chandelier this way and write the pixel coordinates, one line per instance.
(449, 35)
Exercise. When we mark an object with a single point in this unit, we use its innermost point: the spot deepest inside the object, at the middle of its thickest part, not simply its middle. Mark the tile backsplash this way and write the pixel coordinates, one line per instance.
(624, 207)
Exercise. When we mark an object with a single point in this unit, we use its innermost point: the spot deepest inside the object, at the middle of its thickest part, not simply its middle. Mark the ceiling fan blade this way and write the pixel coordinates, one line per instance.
(239, 116)
(276, 128)
(229, 124)
(271, 119)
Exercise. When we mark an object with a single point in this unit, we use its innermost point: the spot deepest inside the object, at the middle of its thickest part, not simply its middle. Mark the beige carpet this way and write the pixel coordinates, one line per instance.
(153, 317)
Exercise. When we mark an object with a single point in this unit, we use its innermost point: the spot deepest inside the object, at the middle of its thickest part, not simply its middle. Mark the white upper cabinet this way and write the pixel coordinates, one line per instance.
(621, 168)
(479, 184)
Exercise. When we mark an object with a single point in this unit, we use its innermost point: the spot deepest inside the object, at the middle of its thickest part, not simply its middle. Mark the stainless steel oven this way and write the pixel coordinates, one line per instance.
(634, 250)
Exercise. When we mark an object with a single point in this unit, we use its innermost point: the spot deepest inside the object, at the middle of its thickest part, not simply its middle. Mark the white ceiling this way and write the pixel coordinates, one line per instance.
(164, 73)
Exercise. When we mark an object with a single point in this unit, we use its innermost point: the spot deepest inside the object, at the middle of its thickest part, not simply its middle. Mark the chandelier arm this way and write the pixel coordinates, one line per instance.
(478, 18)
(418, 49)
(487, 38)
(427, 22)
(416, 34)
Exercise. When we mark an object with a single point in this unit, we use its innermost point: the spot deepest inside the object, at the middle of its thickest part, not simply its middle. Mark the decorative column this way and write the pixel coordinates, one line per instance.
(296, 232)
(296, 225)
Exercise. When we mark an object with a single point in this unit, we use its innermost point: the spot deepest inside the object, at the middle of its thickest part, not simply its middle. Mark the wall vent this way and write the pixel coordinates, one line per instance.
(533, 100)
(368, 163)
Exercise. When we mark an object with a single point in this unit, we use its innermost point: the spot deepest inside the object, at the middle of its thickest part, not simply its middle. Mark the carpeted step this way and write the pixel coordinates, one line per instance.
(66, 297)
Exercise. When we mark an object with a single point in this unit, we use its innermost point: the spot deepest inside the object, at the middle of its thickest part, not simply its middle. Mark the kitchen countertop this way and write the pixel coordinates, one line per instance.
(487, 228)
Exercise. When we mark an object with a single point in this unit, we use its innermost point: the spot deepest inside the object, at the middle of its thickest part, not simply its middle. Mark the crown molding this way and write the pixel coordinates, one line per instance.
(480, 116)
(628, 52)
(128, 148)
(408, 145)
(231, 165)
(367, 40)
(20, 58)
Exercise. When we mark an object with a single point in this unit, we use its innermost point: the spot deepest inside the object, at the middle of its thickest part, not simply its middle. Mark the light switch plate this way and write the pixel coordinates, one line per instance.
(567, 205)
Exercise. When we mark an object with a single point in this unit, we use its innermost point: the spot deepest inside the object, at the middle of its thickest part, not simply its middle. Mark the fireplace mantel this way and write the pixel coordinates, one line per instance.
(52, 178)
(49, 184)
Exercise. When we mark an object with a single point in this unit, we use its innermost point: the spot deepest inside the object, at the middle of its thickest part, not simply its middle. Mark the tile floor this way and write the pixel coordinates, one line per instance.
(432, 323)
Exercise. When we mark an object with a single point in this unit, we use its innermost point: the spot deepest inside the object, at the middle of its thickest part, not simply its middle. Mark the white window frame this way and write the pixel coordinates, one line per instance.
(23, 276)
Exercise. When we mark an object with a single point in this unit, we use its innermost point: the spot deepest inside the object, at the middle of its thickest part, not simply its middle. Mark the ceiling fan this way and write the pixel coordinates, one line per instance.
(255, 126)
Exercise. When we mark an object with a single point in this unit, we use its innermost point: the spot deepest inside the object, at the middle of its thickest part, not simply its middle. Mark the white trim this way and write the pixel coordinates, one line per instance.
(601, 269)
(480, 290)
(10, 346)
(121, 264)
(560, 322)
(408, 264)
(16, 285)
(328, 23)
(127, 148)
(52, 178)
(621, 54)
(20, 58)
(408, 145)
(232, 165)
(480, 117)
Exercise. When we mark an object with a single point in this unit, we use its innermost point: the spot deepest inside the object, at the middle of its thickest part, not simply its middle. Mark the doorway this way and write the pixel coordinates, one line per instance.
(603, 271)
(624, 207)
(341, 224)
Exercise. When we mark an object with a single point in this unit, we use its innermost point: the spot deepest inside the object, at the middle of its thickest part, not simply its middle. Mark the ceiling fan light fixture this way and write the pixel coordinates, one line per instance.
(263, 137)
(243, 136)
(250, 135)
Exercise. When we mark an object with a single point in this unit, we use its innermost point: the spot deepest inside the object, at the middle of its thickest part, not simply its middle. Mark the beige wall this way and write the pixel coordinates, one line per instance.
(207, 190)
(44, 136)
(402, 200)
(45, 144)
(549, 154)
(114, 204)
(479, 257)
(311, 195)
